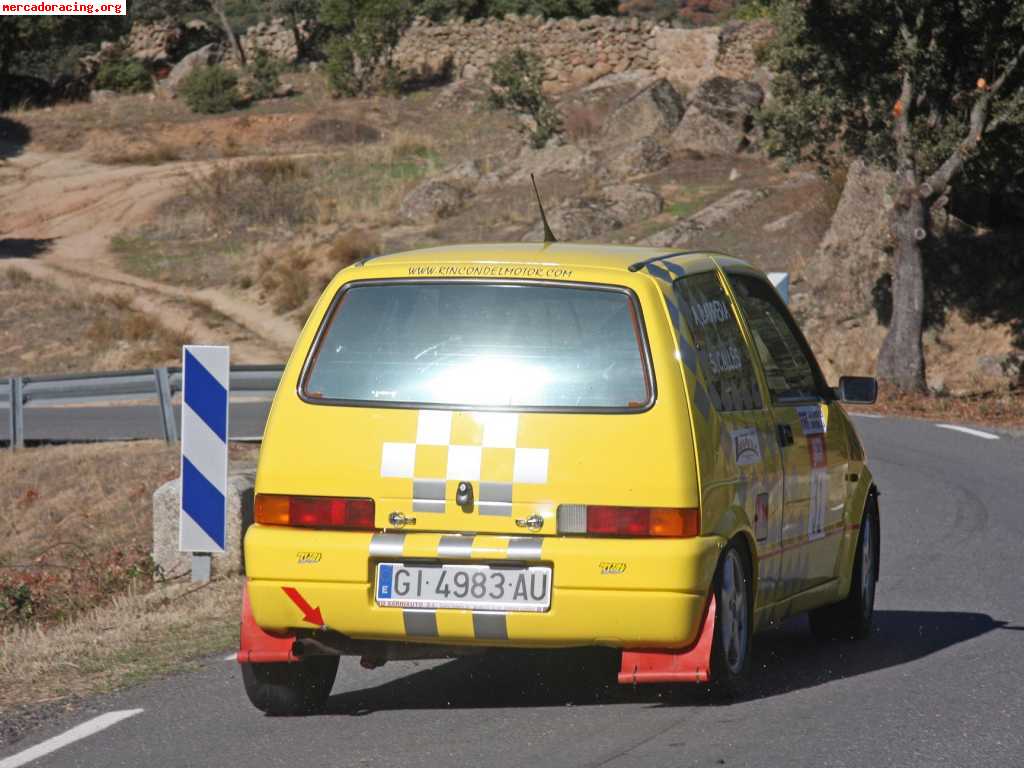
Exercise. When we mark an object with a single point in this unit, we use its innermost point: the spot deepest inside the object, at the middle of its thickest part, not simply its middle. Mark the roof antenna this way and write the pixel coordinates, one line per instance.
(549, 236)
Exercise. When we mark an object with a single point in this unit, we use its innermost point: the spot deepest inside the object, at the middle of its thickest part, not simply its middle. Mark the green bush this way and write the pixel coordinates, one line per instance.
(123, 76)
(362, 34)
(211, 90)
(265, 72)
(517, 77)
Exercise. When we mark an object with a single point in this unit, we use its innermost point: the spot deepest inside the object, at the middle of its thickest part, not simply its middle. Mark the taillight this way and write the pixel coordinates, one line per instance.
(314, 511)
(601, 520)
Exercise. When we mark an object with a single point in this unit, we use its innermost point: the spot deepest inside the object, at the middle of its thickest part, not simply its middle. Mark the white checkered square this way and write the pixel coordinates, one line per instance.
(464, 462)
(398, 460)
(500, 430)
(434, 428)
(530, 465)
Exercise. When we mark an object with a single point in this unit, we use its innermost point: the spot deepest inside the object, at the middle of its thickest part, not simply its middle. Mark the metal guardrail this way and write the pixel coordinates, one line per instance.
(21, 393)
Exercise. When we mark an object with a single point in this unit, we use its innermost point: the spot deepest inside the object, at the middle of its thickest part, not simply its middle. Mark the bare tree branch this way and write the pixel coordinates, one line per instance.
(978, 127)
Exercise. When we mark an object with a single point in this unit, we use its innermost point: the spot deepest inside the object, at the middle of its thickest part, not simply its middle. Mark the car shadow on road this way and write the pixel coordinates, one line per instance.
(785, 659)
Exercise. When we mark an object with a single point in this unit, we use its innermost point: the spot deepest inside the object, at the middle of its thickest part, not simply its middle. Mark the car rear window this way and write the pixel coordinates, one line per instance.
(482, 344)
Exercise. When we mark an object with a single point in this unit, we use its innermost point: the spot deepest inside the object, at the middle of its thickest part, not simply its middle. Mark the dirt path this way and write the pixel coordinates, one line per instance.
(57, 215)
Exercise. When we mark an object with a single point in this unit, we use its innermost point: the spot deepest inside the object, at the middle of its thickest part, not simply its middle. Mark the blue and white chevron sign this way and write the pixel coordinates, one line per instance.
(204, 448)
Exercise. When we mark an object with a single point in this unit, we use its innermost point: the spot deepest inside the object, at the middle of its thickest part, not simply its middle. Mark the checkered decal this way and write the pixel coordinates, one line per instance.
(481, 448)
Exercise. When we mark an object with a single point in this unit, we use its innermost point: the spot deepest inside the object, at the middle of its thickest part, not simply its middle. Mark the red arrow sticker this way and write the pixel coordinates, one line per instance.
(310, 614)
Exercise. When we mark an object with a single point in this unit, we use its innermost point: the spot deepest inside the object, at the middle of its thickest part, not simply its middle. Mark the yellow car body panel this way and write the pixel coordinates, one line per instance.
(678, 452)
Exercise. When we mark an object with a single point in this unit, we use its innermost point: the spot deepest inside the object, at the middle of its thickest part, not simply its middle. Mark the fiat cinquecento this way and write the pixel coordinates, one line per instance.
(552, 446)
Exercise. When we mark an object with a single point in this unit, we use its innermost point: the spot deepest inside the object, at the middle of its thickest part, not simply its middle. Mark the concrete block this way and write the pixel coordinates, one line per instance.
(166, 503)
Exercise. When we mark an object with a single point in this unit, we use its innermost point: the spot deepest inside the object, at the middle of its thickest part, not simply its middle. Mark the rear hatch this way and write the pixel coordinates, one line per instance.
(480, 407)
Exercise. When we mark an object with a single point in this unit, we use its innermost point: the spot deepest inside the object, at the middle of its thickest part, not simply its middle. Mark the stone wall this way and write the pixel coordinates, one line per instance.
(575, 51)
(579, 51)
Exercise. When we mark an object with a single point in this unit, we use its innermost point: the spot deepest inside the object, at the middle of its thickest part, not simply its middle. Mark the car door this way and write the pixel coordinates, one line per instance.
(814, 446)
(740, 463)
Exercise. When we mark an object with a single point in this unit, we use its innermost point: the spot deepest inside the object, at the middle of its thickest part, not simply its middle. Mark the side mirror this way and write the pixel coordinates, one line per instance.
(857, 390)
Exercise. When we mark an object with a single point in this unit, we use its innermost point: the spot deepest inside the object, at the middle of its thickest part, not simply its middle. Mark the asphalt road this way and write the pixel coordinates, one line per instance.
(122, 422)
(941, 682)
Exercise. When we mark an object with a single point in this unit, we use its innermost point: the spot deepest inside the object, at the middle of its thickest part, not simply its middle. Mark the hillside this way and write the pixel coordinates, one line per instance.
(224, 229)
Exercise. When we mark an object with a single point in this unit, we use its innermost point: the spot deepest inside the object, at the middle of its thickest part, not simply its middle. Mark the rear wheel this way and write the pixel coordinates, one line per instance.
(730, 651)
(851, 618)
(290, 688)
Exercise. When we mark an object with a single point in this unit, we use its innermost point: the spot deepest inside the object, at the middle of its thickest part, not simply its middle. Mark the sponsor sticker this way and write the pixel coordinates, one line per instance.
(761, 517)
(746, 446)
(612, 569)
(812, 420)
(308, 558)
(818, 451)
(819, 502)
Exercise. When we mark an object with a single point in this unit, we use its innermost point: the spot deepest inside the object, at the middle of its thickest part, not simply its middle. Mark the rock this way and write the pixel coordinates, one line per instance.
(734, 174)
(580, 220)
(284, 90)
(637, 158)
(166, 511)
(841, 277)
(102, 96)
(632, 202)
(432, 200)
(568, 159)
(781, 223)
(719, 212)
(204, 57)
(468, 172)
(719, 116)
(656, 109)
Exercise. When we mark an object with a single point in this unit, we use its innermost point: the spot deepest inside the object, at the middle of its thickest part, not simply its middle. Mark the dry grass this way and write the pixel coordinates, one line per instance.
(86, 333)
(352, 246)
(149, 154)
(135, 637)
(214, 231)
(91, 498)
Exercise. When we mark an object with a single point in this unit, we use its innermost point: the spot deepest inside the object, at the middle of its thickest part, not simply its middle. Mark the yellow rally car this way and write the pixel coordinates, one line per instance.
(551, 446)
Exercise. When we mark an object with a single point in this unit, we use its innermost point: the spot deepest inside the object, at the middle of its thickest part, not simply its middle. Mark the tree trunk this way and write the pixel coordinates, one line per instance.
(218, 8)
(901, 359)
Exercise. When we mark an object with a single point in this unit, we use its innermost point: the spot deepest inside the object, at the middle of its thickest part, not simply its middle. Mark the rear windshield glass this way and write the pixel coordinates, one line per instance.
(479, 344)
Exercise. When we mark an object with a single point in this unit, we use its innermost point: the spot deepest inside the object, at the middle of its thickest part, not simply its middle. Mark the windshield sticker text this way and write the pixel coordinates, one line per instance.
(490, 270)
(710, 313)
(724, 360)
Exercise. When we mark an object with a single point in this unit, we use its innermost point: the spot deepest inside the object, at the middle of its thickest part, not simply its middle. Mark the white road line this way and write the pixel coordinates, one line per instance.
(868, 415)
(966, 431)
(88, 728)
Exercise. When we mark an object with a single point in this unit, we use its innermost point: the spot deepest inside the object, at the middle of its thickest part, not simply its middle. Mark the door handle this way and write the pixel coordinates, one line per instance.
(785, 433)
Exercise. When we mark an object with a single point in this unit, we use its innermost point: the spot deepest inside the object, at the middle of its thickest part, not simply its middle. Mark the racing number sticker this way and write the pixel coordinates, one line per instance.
(818, 451)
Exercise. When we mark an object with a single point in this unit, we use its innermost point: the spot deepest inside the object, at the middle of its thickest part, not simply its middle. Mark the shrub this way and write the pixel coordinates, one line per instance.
(352, 246)
(517, 77)
(211, 90)
(362, 36)
(123, 76)
(265, 72)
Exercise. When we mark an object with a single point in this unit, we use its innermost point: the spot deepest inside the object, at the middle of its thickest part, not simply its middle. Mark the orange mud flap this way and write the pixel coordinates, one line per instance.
(692, 665)
(257, 646)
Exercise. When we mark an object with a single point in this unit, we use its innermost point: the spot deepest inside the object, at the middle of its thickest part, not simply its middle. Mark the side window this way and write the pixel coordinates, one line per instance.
(724, 357)
(789, 366)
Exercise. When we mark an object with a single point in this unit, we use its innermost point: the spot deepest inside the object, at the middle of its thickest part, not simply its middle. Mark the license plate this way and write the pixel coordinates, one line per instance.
(473, 587)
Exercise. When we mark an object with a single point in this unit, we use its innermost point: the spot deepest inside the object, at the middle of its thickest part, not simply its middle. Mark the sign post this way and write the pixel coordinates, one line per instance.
(204, 454)
(781, 282)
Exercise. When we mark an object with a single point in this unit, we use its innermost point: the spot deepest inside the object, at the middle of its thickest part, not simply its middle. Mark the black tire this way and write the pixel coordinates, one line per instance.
(851, 618)
(290, 688)
(732, 642)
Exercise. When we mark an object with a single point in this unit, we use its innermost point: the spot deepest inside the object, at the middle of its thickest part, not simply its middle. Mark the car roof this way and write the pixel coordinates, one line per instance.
(561, 254)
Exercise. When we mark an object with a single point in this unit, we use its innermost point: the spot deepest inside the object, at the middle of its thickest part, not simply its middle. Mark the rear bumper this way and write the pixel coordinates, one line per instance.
(611, 592)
